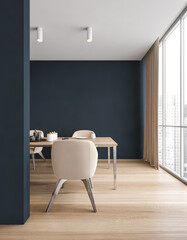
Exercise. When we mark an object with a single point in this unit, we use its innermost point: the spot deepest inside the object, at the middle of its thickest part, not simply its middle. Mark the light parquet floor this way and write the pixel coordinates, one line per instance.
(147, 205)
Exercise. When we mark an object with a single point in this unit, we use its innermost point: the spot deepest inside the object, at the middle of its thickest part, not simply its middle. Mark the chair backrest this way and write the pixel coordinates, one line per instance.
(37, 149)
(83, 133)
(74, 159)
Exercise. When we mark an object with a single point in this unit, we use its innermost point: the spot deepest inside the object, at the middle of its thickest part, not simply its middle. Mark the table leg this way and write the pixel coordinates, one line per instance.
(108, 157)
(114, 164)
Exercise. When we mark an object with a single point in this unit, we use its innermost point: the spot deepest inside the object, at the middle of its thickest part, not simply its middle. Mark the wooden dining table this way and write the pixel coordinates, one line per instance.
(100, 142)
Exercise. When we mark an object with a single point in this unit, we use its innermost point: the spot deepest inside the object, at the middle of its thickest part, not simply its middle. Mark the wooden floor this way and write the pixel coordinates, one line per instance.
(148, 204)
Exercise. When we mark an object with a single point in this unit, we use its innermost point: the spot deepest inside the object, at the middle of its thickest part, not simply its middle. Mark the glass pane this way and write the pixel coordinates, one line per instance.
(160, 88)
(160, 144)
(173, 148)
(173, 78)
(185, 71)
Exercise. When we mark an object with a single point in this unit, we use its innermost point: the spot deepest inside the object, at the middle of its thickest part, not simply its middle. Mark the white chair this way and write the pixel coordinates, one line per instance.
(73, 160)
(36, 150)
(87, 134)
(83, 134)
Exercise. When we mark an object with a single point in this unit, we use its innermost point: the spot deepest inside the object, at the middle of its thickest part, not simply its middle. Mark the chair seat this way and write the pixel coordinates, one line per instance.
(35, 150)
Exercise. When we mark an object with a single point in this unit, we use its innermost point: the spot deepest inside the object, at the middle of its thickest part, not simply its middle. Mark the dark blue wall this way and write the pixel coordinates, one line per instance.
(14, 108)
(104, 96)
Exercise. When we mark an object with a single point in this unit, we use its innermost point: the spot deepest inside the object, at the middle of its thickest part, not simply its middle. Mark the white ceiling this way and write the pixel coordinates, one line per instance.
(122, 29)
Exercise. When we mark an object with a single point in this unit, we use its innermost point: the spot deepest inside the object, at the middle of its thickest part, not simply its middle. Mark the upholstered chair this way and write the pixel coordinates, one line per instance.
(74, 160)
(83, 134)
(36, 150)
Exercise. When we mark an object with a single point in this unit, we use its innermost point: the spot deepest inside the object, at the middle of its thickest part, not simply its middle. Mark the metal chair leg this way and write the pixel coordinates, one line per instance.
(63, 185)
(91, 182)
(33, 160)
(108, 157)
(90, 194)
(42, 156)
(55, 193)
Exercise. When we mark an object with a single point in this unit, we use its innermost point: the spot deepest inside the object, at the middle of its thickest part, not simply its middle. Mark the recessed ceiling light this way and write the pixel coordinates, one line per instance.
(89, 34)
(40, 34)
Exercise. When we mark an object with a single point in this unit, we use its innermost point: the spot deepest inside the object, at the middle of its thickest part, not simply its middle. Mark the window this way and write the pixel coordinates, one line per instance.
(185, 97)
(172, 99)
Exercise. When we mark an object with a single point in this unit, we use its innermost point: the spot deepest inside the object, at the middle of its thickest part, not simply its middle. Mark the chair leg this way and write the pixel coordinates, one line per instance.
(33, 160)
(90, 194)
(108, 157)
(42, 156)
(91, 182)
(55, 193)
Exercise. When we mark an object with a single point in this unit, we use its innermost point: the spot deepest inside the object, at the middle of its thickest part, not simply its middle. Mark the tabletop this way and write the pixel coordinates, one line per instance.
(98, 141)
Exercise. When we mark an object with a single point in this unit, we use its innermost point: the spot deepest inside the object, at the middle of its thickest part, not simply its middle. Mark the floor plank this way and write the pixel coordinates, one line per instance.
(148, 204)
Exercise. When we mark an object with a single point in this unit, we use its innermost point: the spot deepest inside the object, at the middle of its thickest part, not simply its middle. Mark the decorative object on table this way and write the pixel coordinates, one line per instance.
(52, 136)
(36, 137)
(32, 138)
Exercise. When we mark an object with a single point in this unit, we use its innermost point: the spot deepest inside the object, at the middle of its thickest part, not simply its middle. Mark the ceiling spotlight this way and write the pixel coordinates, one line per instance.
(89, 34)
(40, 34)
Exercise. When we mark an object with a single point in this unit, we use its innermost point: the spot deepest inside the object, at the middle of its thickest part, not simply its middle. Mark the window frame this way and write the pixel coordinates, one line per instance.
(177, 22)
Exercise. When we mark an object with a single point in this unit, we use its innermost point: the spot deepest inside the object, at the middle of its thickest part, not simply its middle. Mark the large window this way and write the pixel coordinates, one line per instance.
(172, 105)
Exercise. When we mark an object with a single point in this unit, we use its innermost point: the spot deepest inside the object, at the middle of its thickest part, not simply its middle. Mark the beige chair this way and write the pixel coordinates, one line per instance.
(83, 134)
(73, 160)
(87, 134)
(36, 150)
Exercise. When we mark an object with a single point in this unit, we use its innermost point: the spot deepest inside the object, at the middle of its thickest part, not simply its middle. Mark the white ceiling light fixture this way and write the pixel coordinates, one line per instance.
(89, 34)
(39, 34)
